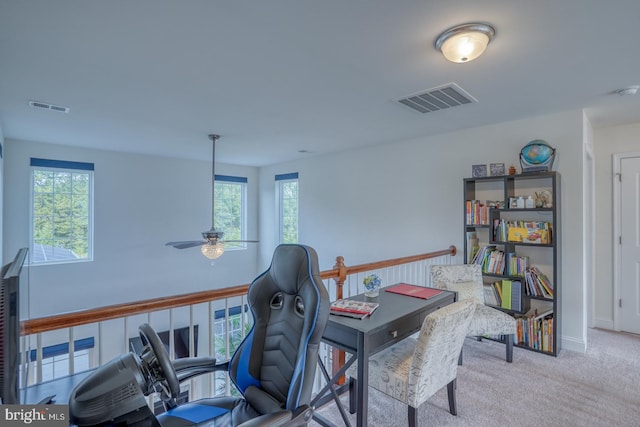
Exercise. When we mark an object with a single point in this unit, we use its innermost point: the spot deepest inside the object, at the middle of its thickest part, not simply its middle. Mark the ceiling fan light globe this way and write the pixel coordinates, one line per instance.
(212, 250)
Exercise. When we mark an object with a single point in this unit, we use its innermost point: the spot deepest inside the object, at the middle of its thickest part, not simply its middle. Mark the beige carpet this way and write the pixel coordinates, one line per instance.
(598, 388)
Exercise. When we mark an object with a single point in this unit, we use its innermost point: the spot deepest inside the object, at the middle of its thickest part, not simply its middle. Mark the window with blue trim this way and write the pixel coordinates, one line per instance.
(55, 360)
(230, 208)
(61, 211)
(287, 203)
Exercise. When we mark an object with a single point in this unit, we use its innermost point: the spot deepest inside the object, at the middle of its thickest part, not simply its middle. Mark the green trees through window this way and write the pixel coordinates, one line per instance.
(290, 212)
(287, 193)
(230, 210)
(61, 215)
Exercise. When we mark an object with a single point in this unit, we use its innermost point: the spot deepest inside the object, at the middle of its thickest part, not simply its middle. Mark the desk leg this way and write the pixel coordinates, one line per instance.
(363, 380)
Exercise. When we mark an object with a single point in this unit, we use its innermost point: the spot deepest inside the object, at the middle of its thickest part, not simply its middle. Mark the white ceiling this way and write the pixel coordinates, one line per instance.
(275, 77)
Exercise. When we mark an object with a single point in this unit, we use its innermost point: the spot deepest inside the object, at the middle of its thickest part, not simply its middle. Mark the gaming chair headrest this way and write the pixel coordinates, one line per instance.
(287, 259)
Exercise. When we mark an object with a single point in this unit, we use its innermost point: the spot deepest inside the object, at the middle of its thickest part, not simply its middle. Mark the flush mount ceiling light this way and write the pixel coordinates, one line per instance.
(464, 43)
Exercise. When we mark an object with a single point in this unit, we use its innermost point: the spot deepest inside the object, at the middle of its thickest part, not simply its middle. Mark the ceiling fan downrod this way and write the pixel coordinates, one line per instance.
(213, 137)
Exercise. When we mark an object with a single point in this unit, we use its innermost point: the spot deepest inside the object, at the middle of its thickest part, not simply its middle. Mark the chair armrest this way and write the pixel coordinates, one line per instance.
(282, 418)
(189, 367)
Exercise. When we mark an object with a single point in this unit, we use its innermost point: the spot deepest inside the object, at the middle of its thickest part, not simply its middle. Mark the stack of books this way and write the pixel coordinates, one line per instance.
(506, 294)
(516, 265)
(491, 260)
(538, 285)
(522, 231)
(477, 212)
(353, 308)
(535, 330)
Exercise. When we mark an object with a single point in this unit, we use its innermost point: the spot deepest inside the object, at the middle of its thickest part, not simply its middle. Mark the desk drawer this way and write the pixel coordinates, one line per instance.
(394, 331)
(443, 303)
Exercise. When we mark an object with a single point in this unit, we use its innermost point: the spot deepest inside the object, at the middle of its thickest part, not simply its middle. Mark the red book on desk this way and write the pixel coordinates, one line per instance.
(414, 291)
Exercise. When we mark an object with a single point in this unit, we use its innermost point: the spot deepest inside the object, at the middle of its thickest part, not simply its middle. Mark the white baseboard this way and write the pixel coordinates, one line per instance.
(573, 344)
(604, 324)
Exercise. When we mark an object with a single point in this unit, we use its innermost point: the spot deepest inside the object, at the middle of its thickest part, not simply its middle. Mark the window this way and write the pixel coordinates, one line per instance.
(229, 329)
(287, 194)
(230, 214)
(61, 211)
(58, 366)
(233, 327)
(55, 360)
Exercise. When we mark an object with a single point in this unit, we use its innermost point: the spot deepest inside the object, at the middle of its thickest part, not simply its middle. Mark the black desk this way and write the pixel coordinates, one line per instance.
(60, 387)
(397, 317)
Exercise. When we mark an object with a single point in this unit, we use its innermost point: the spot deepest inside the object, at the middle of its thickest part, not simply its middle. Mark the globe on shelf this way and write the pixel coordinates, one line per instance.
(537, 156)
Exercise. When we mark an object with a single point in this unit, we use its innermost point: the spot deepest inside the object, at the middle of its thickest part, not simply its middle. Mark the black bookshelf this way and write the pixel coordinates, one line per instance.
(493, 196)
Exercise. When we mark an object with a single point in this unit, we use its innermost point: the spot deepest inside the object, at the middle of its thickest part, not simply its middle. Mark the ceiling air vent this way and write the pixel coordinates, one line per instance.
(45, 106)
(438, 98)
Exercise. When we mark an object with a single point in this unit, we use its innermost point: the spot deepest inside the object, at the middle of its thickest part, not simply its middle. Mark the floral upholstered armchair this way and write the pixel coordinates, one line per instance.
(413, 370)
(466, 279)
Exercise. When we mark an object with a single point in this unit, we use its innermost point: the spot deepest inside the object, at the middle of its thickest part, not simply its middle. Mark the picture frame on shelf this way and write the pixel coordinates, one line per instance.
(497, 169)
(478, 171)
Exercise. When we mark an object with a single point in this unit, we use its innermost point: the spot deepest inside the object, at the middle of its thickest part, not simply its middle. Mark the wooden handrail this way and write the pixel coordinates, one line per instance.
(83, 317)
(452, 250)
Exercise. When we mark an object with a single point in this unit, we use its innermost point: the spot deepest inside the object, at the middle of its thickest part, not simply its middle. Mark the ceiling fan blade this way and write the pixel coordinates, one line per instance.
(241, 241)
(186, 244)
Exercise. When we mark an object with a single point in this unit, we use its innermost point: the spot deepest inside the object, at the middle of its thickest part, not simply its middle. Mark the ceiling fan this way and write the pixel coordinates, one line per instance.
(213, 244)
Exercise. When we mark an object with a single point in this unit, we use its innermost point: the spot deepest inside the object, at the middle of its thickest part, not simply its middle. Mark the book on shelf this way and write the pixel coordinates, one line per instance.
(473, 245)
(506, 294)
(537, 283)
(516, 265)
(482, 253)
(522, 231)
(490, 295)
(479, 256)
(516, 234)
(353, 308)
(491, 259)
(517, 303)
(535, 330)
(493, 263)
(477, 212)
(493, 294)
(511, 295)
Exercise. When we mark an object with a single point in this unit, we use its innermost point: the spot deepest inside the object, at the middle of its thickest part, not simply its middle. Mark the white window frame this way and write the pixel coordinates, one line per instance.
(58, 366)
(54, 361)
(65, 167)
(242, 182)
(281, 180)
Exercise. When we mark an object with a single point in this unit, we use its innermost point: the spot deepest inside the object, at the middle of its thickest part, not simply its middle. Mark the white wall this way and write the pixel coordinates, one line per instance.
(370, 204)
(607, 142)
(589, 222)
(141, 202)
(406, 198)
(1, 190)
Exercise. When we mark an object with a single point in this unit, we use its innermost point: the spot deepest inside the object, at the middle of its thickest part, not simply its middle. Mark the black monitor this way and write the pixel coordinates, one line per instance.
(12, 275)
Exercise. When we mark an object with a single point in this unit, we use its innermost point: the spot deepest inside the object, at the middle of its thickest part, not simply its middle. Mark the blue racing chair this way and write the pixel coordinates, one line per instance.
(274, 367)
